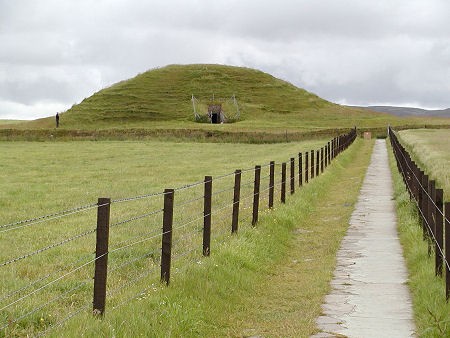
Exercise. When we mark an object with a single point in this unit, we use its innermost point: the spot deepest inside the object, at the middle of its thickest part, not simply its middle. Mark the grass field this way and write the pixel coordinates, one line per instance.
(269, 280)
(431, 150)
(44, 177)
(77, 173)
(431, 311)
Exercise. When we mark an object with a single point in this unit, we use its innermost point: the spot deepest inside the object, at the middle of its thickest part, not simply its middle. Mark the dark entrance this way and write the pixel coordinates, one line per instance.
(215, 113)
(215, 118)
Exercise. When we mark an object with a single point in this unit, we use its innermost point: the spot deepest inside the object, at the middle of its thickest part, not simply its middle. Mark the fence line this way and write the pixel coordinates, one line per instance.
(433, 212)
(245, 198)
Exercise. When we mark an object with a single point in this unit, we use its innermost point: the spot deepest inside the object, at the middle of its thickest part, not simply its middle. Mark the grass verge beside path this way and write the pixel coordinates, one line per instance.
(289, 300)
(268, 280)
(431, 311)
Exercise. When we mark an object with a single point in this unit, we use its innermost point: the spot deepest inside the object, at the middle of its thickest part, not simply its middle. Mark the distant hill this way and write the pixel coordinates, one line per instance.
(407, 111)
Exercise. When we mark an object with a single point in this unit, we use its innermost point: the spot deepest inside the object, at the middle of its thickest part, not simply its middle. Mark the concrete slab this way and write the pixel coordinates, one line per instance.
(369, 295)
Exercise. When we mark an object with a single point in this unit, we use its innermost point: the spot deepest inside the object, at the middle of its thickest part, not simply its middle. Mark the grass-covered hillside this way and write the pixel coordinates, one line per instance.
(161, 99)
(165, 95)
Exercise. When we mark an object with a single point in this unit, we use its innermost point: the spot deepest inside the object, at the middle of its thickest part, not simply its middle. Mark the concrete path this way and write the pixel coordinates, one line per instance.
(369, 296)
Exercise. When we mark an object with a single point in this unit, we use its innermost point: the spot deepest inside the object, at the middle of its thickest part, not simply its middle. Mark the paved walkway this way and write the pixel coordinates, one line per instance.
(369, 296)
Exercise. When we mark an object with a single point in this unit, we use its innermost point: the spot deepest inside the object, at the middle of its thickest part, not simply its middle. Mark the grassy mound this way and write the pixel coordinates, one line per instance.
(161, 98)
(165, 95)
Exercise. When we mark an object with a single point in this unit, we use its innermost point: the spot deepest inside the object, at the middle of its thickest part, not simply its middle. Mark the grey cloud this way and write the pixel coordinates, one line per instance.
(60, 51)
(29, 85)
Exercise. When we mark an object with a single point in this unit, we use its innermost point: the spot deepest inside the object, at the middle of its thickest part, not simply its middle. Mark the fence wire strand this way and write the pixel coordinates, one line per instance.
(135, 198)
(50, 283)
(397, 144)
(422, 187)
(23, 288)
(15, 320)
(132, 219)
(43, 219)
(51, 216)
(62, 322)
(54, 245)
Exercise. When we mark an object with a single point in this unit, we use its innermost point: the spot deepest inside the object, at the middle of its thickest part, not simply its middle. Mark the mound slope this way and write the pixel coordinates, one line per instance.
(165, 94)
(161, 99)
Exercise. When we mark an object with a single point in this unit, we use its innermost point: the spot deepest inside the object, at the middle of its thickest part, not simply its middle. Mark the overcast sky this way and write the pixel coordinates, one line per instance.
(54, 53)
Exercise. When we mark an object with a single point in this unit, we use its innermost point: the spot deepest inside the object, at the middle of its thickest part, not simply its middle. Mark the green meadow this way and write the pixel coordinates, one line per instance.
(266, 280)
(430, 148)
(42, 178)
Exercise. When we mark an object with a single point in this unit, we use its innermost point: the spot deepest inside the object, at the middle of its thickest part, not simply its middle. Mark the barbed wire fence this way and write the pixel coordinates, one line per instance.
(111, 251)
(433, 212)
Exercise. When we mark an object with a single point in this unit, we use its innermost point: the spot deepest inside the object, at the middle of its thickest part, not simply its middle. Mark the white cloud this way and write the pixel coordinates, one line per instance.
(18, 111)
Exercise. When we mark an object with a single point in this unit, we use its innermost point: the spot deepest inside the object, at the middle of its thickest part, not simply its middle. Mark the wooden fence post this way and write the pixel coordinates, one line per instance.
(439, 231)
(447, 249)
(424, 205)
(429, 216)
(329, 152)
(271, 183)
(256, 194)
(101, 256)
(166, 247)
(306, 166)
(415, 181)
(283, 182)
(292, 172)
(420, 199)
(236, 199)
(432, 211)
(410, 175)
(418, 182)
(321, 160)
(300, 172)
(312, 164)
(317, 162)
(207, 201)
(333, 148)
(336, 146)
